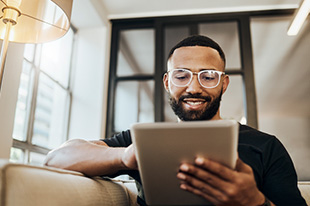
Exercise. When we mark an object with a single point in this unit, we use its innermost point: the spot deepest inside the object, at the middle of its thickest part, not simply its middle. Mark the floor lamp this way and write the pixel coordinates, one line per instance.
(32, 21)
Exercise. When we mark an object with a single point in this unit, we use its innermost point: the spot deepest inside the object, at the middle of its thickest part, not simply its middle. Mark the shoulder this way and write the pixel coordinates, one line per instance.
(254, 137)
(122, 139)
(247, 131)
(266, 147)
(264, 144)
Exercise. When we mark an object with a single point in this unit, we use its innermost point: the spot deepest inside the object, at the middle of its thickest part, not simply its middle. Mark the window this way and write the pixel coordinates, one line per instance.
(135, 78)
(44, 97)
(138, 61)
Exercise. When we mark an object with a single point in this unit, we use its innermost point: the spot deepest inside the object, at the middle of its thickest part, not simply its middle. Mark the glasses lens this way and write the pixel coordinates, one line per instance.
(180, 77)
(209, 78)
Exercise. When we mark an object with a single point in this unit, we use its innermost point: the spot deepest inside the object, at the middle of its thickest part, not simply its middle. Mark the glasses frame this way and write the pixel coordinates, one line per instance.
(198, 75)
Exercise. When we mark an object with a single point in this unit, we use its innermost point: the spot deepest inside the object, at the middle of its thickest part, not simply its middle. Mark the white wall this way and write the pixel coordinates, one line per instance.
(293, 132)
(281, 67)
(8, 96)
(89, 84)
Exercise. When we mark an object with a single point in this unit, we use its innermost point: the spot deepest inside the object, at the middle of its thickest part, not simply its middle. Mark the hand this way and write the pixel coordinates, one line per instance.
(220, 184)
(129, 158)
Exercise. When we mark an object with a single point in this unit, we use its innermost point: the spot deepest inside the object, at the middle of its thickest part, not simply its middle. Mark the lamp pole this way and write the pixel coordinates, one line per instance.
(4, 50)
(10, 15)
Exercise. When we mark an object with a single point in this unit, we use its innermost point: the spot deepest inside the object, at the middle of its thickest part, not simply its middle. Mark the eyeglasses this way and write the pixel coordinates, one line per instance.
(207, 78)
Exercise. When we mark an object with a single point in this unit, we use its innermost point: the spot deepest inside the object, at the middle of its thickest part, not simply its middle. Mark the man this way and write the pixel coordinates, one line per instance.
(195, 82)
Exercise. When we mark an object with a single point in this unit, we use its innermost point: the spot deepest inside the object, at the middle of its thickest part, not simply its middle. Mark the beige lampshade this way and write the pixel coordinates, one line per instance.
(38, 20)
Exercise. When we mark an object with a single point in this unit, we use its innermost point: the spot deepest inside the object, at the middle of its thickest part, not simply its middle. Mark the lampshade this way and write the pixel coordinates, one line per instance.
(37, 20)
(32, 21)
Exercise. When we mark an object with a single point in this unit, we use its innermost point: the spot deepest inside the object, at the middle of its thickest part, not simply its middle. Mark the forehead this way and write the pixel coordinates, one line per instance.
(196, 58)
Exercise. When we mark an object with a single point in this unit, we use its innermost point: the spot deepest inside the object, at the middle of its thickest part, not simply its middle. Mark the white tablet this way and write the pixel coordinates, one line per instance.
(162, 147)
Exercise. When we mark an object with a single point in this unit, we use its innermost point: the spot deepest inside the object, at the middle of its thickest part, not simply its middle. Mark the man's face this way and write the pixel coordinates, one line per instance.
(195, 102)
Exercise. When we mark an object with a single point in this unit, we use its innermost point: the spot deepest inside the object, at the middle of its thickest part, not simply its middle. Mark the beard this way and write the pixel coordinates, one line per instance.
(206, 114)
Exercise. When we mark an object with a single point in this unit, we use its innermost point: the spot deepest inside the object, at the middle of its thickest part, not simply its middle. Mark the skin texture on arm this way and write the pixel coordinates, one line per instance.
(91, 158)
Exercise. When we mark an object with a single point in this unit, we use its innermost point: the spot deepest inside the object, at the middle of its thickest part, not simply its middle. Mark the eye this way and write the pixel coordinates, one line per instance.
(181, 75)
(208, 76)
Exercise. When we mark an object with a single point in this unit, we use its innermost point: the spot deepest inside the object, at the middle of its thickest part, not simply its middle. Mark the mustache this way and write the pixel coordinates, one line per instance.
(206, 98)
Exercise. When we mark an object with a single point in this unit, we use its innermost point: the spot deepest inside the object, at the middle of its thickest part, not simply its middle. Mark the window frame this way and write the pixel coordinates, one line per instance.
(158, 23)
(27, 146)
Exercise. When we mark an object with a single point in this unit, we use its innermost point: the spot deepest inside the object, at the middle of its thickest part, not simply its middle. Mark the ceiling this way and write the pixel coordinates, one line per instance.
(89, 13)
(280, 62)
(138, 8)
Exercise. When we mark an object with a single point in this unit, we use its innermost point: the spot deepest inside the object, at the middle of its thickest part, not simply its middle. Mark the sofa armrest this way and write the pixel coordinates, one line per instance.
(33, 185)
(304, 187)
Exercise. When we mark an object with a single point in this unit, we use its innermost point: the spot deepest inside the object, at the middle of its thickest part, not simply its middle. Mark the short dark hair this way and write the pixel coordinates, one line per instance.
(199, 40)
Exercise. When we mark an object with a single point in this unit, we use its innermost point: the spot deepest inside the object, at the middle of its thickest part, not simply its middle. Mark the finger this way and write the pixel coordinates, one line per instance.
(200, 193)
(201, 174)
(198, 178)
(198, 184)
(219, 169)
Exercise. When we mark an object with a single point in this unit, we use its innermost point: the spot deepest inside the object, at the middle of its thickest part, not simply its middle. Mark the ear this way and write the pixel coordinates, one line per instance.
(225, 83)
(166, 82)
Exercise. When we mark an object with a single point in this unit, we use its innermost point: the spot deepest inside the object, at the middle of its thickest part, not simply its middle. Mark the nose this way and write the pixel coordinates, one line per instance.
(194, 86)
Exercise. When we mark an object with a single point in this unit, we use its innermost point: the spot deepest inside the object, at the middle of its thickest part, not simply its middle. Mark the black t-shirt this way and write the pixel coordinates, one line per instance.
(273, 168)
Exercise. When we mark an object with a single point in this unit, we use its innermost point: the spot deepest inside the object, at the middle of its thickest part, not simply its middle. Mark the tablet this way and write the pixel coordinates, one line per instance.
(161, 148)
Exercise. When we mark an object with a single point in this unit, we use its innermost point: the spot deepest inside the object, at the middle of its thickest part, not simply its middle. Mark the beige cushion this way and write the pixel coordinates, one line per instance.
(36, 186)
(304, 187)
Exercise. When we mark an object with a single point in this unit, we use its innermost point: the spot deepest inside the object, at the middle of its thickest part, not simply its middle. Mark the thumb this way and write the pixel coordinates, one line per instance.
(129, 158)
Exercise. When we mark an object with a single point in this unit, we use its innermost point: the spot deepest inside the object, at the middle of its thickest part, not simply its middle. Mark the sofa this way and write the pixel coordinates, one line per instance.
(26, 185)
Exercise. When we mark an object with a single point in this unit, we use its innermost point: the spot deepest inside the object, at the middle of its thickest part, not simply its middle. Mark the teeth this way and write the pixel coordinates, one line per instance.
(194, 103)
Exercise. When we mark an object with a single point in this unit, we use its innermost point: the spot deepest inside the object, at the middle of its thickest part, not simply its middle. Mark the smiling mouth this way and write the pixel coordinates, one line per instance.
(194, 102)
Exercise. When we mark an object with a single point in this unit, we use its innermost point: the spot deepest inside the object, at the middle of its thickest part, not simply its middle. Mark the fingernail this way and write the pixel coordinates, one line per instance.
(184, 168)
(199, 160)
(183, 186)
(181, 176)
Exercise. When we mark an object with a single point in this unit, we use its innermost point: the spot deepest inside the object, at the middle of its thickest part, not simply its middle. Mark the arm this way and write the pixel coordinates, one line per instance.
(221, 185)
(91, 157)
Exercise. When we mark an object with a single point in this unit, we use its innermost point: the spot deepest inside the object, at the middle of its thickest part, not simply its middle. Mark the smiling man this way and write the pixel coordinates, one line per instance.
(195, 82)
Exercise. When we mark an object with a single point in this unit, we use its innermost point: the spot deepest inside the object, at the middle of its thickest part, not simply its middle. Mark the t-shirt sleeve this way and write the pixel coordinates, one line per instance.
(280, 178)
(122, 139)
